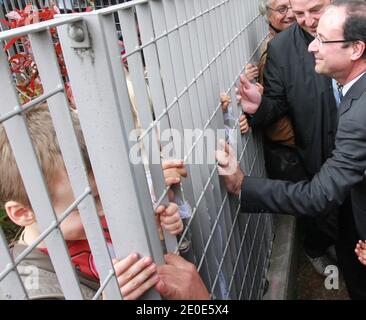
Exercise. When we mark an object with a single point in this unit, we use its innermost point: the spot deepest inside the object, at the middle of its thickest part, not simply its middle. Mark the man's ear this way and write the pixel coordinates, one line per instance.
(359, 48)
(20, 214)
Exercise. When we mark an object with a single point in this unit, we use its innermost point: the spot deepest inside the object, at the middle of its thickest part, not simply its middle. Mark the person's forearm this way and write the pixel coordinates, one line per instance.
(269, 111)
(327, 189)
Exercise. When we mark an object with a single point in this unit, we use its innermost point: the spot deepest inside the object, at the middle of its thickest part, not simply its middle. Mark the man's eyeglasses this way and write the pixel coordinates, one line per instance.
(322, 42)
(281, 10)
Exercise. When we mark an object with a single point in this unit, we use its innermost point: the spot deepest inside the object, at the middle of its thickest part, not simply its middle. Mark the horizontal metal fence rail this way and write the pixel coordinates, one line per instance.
(180, 54)
(66, 6)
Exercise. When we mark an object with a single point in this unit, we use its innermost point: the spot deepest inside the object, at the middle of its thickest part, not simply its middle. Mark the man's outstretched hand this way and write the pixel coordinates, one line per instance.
(179, 280)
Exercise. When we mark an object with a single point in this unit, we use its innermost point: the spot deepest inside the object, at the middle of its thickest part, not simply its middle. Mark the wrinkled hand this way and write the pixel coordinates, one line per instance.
(179, 280)
(229, 168)
(135, 276)
(225, 101)
(361, 251)
(170, 219)
(238, 96)
(173, 171)
(250, 96)
(244, 126)
(251, 71)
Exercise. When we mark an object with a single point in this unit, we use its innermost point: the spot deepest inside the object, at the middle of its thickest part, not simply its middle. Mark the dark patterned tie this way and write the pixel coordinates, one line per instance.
(340, 93)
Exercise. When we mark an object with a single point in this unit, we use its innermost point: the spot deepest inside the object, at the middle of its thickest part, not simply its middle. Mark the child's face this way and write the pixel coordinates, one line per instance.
(62, 197)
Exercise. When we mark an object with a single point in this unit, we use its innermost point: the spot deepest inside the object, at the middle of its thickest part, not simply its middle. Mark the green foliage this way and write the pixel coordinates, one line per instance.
(9, 228)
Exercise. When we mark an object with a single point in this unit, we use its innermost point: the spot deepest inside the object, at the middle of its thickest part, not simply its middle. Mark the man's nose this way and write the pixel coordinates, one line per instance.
(309, 20)
(313, 46)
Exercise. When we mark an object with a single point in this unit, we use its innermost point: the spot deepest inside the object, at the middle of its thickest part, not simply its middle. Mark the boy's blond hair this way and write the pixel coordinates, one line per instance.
(43, 136)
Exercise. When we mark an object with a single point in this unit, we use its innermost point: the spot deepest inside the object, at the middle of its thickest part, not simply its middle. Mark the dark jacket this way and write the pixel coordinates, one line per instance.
(341, 175)
(292, 87)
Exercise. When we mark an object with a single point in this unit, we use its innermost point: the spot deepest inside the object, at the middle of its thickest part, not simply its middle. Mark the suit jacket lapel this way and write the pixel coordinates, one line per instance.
(353, 94)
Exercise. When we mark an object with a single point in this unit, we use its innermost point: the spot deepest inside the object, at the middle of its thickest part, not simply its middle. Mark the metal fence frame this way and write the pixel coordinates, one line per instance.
(189, 51)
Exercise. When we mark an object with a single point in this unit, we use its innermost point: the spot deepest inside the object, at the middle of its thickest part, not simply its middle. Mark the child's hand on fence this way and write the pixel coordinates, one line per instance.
(135, 276)
(361, 251)
(173, 170)
(244, 126)
(251, 71)
(250, 96)
(238, 96)
(225, 101)
(170, 218)
(260, 88)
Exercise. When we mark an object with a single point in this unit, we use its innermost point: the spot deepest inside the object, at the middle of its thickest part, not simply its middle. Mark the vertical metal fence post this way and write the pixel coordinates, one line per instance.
(144, 108)
(200, 229)
(198, 104)
(35, 186)
(159, 94)
(11, 287)
(44, 54)
(101, 119)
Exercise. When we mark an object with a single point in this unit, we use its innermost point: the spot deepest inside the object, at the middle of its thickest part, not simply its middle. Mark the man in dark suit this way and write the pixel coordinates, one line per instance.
(340, 52)
(289, 77)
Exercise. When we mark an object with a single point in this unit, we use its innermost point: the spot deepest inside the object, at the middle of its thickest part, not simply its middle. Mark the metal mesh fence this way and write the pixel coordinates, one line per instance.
(177, 57)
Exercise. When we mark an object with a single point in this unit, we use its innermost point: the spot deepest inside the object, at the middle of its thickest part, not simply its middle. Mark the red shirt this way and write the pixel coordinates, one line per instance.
(81, 255)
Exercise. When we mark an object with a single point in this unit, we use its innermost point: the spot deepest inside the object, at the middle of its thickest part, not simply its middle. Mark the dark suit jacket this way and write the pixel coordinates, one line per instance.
(293, 87)
(340, 176)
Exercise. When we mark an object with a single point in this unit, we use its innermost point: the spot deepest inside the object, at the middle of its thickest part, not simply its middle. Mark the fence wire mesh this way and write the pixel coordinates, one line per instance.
(146, 77)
